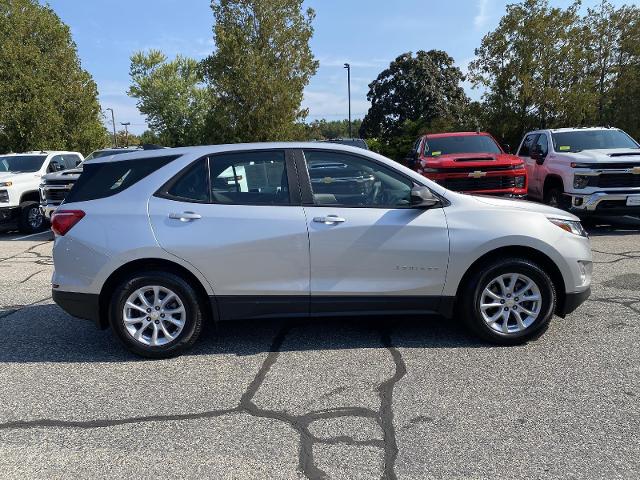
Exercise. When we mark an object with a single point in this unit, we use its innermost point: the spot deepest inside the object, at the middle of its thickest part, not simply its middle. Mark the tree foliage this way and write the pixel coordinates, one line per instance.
(171, 95)
(47, 101)
(259, 69)
(410, 96)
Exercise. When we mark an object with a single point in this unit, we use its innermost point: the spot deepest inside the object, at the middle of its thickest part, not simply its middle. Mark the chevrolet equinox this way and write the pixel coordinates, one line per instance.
(153, 244)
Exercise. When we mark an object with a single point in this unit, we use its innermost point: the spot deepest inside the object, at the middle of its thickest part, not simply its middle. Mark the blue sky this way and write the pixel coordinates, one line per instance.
(367, 33)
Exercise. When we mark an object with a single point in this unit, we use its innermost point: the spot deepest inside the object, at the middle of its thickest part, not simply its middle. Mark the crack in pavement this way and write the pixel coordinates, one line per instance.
(628, 302)
(629, 255)
(41, 259)
(300, 423)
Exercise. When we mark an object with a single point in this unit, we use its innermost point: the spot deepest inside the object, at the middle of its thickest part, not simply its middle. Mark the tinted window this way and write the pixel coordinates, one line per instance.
(106, 153)
(352, 181)
(249, 178)
(193, 185)
(101, 180)
(56, 164)
(543, 144)
(525, 149)
(591, 140)
(71, 161)
(460, 144)
(21, 163)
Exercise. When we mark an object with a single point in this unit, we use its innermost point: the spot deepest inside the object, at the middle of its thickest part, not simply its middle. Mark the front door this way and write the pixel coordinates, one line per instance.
(369, 250)
(235, 218)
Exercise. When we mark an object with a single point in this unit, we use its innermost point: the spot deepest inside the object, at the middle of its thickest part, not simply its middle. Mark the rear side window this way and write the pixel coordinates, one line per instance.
(193, 185)
(101, 180)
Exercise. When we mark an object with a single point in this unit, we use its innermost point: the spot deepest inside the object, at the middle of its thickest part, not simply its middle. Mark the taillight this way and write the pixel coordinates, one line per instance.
(63, 220)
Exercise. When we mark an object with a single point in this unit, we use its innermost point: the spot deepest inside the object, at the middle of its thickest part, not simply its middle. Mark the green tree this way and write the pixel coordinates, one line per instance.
(259, 70)
(171, 95)
(536, 69)
(327, 129)
(412, 95)
(47, 101)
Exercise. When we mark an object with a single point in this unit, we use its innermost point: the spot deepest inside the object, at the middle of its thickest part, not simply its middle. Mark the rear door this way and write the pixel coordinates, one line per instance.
(532, 167)
(237, 218)
(369, 250)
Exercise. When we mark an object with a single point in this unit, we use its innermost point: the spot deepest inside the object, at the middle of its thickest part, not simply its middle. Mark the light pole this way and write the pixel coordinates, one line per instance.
(113, 121)
(126, 132)
(348, 67)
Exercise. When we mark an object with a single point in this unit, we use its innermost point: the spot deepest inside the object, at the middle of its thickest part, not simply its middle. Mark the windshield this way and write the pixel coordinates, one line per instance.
(106, 153)
(460, 144)
(21, 163)
(591, 140)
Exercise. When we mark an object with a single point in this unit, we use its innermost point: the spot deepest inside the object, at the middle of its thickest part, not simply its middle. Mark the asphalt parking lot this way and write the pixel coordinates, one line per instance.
(398, 398)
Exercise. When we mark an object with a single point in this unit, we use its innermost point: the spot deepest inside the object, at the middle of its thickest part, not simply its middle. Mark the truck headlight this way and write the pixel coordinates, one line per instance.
(570, 226)
(6, 184)
(520, 181)
(580, 181)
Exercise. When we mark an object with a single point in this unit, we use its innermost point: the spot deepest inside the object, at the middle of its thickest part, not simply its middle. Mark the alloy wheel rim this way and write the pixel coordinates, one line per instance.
(510, 303)
(154, 315)
(35, 217)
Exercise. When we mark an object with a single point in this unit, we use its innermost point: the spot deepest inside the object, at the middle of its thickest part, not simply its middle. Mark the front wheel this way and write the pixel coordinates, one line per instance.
(31, 218)
(156, 314)
(509, 301)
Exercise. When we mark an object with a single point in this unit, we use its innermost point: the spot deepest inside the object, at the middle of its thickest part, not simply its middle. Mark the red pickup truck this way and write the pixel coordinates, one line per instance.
(471, 162)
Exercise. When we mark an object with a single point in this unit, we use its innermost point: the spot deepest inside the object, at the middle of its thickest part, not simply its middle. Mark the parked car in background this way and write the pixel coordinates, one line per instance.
(55, 186)
(352, 142)
(156, 243)
(470, 162)
(589, 171)
(20, 177)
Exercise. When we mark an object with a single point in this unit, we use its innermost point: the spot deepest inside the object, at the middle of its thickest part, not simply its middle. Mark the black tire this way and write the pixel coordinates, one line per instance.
(30, 211)
(554, 196)
(471, 297)
(193, 317)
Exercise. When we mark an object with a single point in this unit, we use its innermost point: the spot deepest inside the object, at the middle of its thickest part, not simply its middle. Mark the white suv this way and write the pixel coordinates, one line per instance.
(155, 243)
(20, 176)
(589, 171)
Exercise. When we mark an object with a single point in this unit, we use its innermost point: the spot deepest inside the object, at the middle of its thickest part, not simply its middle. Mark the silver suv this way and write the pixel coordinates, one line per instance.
(154, 244)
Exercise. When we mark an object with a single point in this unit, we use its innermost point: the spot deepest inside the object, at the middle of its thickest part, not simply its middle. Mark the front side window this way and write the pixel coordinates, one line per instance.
(22, 163)
(437, 146)
(580, 140)
(250, 178)
(525, 149)
(342, 179)
(543, 145)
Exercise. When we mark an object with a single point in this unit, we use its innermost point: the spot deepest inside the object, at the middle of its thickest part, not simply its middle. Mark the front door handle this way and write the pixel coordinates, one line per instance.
(329, 219)
(185, 216)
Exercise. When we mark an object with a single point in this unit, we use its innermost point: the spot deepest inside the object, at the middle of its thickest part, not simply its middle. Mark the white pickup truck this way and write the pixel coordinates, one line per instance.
(20, 177)
(589, 171)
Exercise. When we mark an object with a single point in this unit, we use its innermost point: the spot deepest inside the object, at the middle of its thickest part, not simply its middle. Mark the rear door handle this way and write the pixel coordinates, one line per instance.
(329, 219)
(185, 216)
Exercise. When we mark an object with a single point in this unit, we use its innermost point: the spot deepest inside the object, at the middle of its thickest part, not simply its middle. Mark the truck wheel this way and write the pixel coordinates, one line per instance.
(509, 301)
(554, 197)
(31, 219)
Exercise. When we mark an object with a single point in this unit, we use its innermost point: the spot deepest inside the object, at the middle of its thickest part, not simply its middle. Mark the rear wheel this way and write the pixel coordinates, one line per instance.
(31, 219)
(156, 314)
(509, 302)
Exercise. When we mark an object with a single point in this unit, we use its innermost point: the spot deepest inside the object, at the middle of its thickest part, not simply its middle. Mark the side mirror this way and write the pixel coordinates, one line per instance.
(536, 154)
(507, 148)
(411, 160)
(421, 197)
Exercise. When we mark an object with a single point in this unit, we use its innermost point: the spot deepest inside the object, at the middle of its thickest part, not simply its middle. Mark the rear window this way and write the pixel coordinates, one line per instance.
(101, 180)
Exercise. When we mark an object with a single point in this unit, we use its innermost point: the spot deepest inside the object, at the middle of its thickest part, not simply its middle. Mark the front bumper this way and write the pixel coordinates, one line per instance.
(604, 203)
(80, 305)
(572, 301)
(9, 215)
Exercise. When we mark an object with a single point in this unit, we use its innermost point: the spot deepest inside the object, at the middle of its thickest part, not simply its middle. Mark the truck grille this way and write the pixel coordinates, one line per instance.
(4, 196)
(55, 195)
(616, 180)
(485, 183)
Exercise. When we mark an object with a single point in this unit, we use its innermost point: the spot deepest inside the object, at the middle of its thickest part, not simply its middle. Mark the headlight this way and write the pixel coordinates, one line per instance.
(569, 226)
(580, 181)
(6, 184)
(520, 182)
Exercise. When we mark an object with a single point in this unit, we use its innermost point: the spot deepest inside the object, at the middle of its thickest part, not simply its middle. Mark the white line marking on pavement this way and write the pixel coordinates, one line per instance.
(32, 235)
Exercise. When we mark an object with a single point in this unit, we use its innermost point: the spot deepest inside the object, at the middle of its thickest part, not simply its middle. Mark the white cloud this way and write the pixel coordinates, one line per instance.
(482, 17)
(333, 106)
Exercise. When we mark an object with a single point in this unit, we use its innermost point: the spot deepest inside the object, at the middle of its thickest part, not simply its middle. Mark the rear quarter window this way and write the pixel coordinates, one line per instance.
(102, 180)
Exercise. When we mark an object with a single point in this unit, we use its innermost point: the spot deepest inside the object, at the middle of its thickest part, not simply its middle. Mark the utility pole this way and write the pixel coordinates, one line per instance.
(126, 132)
(348, 67)
(113, 121)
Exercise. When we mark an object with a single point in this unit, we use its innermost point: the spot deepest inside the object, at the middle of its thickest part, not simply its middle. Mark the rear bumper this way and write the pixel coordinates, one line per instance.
(80, 305)
(604, 203)
(572, 301)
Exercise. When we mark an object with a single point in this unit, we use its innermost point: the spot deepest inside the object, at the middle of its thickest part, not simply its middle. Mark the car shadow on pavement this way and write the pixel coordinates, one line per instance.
(44, 333)
(613, 226)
